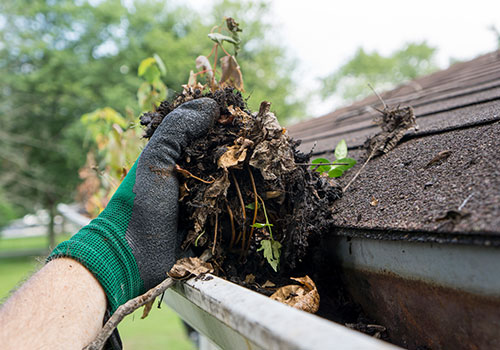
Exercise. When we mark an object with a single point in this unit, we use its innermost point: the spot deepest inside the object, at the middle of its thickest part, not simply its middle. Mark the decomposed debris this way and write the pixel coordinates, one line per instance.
(186, 267)
(303, 297)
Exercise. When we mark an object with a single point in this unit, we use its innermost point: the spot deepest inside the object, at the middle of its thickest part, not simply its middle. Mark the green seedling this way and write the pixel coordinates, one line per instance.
(270, 248)
(336, 168)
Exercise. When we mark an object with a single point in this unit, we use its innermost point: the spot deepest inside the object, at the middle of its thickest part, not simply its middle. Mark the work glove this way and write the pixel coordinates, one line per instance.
(132, 244)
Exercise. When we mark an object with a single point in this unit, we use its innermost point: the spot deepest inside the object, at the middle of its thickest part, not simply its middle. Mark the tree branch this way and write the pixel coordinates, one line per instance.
(126, 309)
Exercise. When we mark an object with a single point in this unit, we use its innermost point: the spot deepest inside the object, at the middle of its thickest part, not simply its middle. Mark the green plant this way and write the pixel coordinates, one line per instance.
(270, 247)
(153, 90)
(116, 137)
(230, 70)
(338, 166)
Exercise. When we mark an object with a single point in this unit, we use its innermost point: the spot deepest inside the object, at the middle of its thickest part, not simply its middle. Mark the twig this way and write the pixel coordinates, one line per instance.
(233, 234)
(359, 171)
(188, 174)
(256, 205)
(215, 65)
(126, 309)
(379, 97)
(465, 201)
(267, 219)
(215, 231)
(242, 203)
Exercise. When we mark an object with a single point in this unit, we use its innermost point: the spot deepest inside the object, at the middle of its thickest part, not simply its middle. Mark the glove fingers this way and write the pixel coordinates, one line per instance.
(152, 231)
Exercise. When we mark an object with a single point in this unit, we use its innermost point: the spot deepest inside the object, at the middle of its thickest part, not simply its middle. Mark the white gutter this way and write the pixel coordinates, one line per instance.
(235, 318)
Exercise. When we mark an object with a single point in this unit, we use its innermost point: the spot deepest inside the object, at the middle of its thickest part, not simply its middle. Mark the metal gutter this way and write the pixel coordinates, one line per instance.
(428, 295)
(234, 317)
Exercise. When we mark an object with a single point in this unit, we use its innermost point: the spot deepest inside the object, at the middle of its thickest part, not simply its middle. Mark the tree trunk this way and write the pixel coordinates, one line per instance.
(51, 228)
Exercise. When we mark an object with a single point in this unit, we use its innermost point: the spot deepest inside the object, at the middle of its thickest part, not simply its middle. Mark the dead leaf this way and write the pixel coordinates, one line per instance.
(238, 112)
(394, 122)
(303, 297)
(235, 154)
(232, 157)
(231, 73)
(440, 157)
(250, 278)
(192, 79)
(268, 284)
(190, 266)
(374, 202)
(273, 156)
(204, 64)
(147, 309)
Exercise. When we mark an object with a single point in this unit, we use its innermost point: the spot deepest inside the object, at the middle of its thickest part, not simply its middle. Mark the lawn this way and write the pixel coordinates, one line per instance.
(161, 329)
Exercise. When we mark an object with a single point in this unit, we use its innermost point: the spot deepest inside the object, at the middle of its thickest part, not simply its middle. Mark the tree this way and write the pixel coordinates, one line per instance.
(496, 32)
(351, 80)
(62, 59)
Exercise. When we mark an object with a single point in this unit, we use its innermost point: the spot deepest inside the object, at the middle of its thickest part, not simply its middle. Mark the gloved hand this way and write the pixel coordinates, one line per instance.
(131, 245)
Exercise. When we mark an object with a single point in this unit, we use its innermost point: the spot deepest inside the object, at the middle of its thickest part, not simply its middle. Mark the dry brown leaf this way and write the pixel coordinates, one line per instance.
(304, 297)
(268, 284)
(238, 112)
(147, 309)
(190, 266)
(250, 278)
(235, 154)
(192, 79)
(231, 73)
(203, 64)
(232, 157)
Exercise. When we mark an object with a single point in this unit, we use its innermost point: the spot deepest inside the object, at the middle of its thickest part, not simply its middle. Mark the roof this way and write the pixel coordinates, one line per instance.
(400, 193)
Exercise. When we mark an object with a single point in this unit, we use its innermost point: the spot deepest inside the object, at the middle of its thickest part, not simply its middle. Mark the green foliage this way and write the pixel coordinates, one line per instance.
(8, 212)
(351, 80)
(153, 90)
(271, 249)
(67, 58)
(336, 168)
(496, 32)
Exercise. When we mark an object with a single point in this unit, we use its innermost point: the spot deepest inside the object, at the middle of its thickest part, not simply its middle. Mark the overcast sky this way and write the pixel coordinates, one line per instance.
(323, 35)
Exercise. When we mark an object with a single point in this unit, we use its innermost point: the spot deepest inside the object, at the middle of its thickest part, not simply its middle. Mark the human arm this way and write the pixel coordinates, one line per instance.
(132, 244)
(60, 307)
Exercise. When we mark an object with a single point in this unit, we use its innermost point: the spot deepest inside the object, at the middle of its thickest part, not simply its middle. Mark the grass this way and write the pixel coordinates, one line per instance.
(38, 242)
(161, 329)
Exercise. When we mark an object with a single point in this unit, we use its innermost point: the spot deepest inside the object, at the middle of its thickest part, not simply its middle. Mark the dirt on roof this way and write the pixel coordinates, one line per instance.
(442, 180)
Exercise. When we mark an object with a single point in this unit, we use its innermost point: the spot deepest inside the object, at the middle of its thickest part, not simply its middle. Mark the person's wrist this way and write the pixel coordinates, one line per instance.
(102, 248)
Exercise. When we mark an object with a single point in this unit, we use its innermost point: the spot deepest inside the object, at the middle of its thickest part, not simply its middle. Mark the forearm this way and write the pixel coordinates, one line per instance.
(62, 306)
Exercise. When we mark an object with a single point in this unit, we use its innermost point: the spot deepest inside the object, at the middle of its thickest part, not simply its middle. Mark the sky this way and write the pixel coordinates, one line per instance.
(324, 34)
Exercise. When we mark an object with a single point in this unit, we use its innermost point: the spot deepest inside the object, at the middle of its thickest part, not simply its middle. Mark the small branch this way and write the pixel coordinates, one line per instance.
(215, 65)
(233, 234)
(359, 171)
(242, 203)
(126, 309)
(465, 201)
(256, 205)
(379, 97)
(215, 231)
(222, 47)
(188, 174)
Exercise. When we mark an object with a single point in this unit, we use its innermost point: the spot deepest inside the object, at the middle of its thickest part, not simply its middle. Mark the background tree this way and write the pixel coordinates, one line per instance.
(351, 80)
(62, 59)
(496, 32)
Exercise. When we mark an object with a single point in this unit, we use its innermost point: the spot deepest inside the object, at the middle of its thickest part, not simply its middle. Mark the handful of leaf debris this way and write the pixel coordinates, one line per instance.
(245, 191)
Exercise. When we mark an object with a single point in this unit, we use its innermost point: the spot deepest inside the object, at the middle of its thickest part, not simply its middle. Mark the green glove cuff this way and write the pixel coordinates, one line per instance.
(102, 248)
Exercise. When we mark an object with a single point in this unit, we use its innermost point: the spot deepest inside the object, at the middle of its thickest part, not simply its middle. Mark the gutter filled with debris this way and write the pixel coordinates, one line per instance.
(233, 317)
